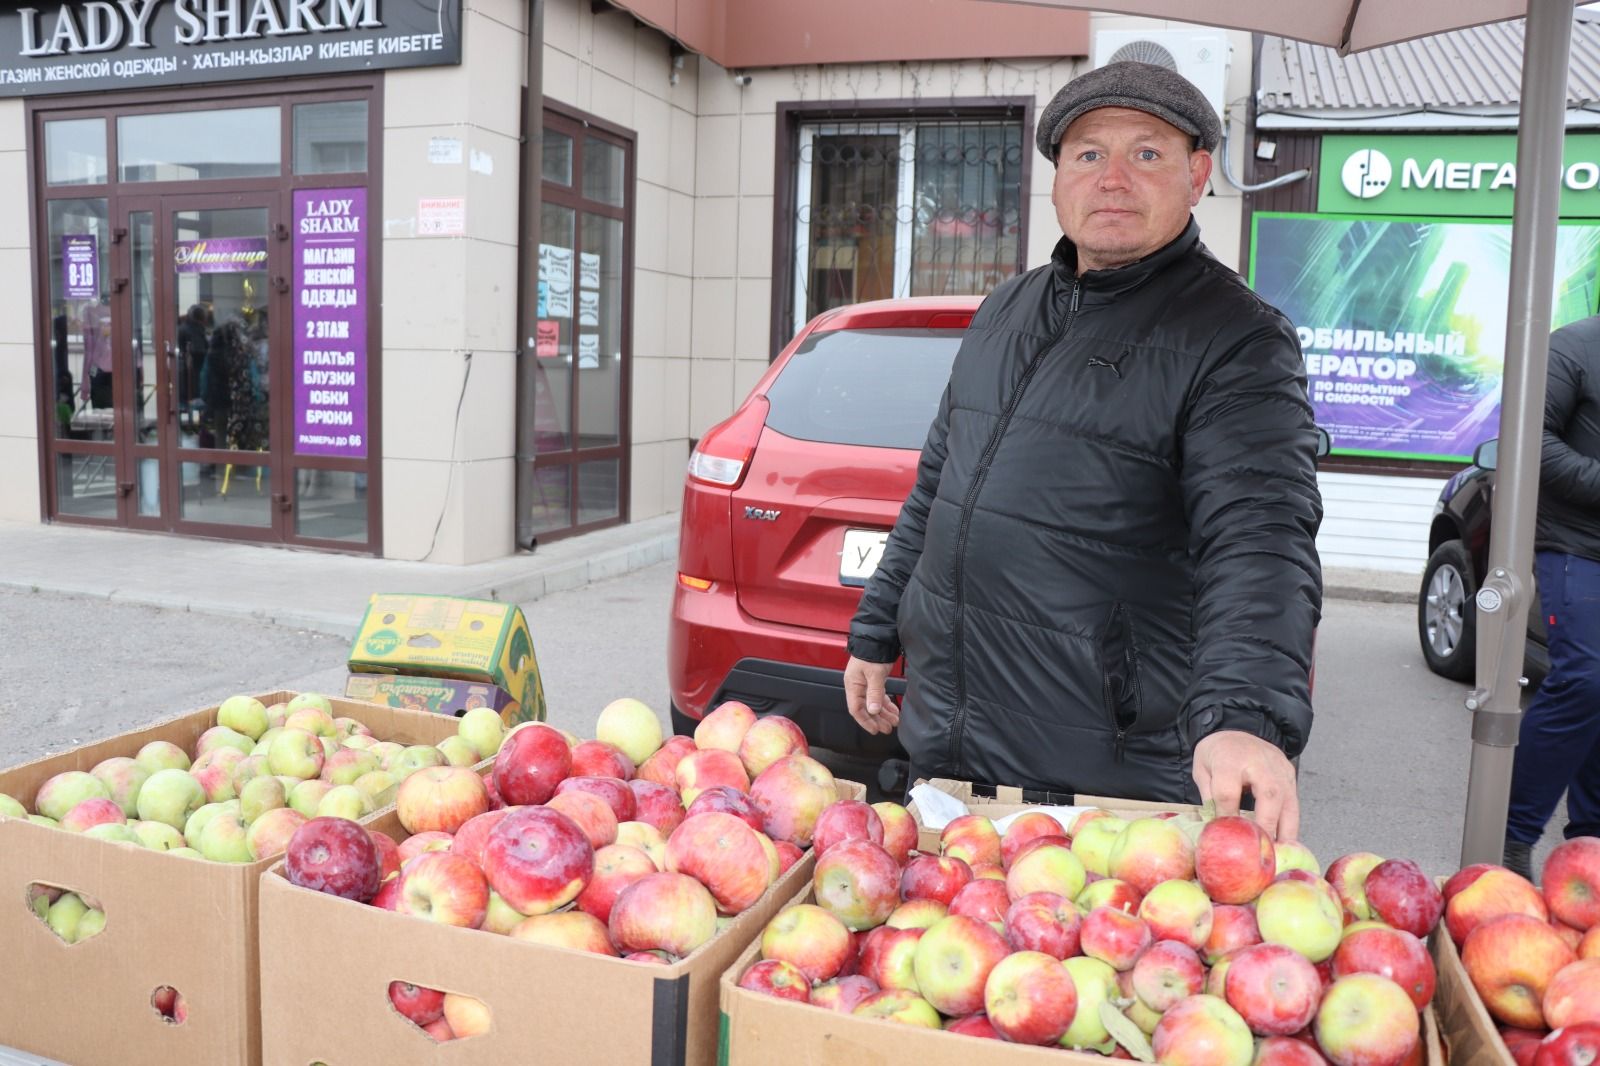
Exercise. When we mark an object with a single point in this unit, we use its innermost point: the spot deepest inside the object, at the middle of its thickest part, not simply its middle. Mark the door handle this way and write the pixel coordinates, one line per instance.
(280, 283)
(282, 500)
(172, 379)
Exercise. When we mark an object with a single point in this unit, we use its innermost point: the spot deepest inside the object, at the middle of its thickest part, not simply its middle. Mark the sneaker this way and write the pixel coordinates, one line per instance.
(1518, 858)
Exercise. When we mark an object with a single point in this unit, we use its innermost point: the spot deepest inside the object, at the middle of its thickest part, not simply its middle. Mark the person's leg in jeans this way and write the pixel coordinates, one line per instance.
(1561, 728)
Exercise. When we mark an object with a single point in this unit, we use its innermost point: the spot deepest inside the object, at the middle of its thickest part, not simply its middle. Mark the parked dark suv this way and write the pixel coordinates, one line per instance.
(1458, 559)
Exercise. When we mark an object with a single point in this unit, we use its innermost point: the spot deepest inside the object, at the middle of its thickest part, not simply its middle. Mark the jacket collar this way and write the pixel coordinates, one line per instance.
(1125, 278)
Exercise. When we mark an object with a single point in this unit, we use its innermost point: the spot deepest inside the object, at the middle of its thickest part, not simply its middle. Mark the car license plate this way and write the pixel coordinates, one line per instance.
(863, 548)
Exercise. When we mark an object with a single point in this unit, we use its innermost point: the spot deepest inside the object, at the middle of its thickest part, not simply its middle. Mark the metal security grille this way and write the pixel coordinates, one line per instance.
(905, 208)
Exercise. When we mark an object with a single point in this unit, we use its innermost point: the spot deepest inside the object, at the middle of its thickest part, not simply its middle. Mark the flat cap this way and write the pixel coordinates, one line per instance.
(1156, 90)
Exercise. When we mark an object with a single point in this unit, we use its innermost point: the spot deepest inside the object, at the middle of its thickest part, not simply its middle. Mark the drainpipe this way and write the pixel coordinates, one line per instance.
(532, 176)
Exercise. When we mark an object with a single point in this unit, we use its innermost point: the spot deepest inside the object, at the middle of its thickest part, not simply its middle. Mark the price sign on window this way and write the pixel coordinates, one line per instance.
(80, 266)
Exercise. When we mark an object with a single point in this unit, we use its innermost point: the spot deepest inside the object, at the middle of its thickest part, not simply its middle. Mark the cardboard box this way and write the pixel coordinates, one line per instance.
(169, 921)
(451, 637)
(1008, 800)
(326, 964)
(758, 1030)
(437, 695)
(1468, 1030)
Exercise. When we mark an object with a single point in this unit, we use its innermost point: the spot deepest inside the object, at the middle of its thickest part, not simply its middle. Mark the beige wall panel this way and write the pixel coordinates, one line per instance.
(716, 247)
(717, 140)
(710, 394)
(649, 315)
(19, 489)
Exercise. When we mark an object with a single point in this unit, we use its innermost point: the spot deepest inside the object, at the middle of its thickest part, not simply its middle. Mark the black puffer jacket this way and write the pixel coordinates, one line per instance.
(1569, 466)
(1109, 552)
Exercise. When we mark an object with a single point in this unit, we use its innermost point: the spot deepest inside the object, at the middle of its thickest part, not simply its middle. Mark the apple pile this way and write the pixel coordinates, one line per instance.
(623, 845)
(1533, 953)
(1186, 940)
(251, 781)
(72, 916)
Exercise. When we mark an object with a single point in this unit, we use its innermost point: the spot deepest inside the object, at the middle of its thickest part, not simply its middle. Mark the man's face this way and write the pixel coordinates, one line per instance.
(1125, 182)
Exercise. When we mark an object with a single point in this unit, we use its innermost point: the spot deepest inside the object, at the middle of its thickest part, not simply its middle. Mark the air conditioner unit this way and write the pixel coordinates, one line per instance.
(1199, 55)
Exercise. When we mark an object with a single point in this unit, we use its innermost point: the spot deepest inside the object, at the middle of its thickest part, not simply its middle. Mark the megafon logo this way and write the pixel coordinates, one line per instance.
(1366, 173)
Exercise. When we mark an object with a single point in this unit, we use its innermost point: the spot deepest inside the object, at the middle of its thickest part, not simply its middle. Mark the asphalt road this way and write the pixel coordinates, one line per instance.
(1386, 770)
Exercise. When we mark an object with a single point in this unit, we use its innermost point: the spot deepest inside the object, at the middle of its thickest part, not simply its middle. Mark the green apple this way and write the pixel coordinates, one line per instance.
(350, 728)
(39, 819)
(10, 808)
(416, 757)
(124, 777)
(379, 787)
(225, 838)
(264, 745)
(277, 714)
(41, 907)
(249, 769)
(1096, 983)
(64, 916)
(187, 853)
(66, 790)
(158, 836)
(458, 751)
(631, 726)
(312, 720)
(244, 714)
(162, 755)
(1301, 916)
(93, 923)
(345, 765)
(269, 835)
(296, 753)
(220, 736)
(315, 700)
(260, 796)
(196, 825)
(114, 832)
(170, 796)
(360, 742)
(387, 752)
(1092, 846)
(483, 728)
(343, 801)
(307, 796)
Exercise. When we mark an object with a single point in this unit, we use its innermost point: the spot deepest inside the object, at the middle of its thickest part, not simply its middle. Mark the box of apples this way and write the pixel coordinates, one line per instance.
(139, 859)
(1118, 930)
(1519, 963)
(576, 901)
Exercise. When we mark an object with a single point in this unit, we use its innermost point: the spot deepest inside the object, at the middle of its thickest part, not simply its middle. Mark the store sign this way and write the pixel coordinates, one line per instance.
(330, 322)
(220, 255)
(80, 45)
(80, 266)
(1471, 175)
(1403, 322)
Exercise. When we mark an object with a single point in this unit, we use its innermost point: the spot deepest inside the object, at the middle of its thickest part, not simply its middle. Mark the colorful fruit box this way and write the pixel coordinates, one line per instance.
(1464, 1022)
(1009, 799)
(326, 966)
(170, 922)
(759, 1029)
(438, 695)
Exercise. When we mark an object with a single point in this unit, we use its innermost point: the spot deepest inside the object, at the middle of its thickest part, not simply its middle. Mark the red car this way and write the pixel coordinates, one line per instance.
(786, 507)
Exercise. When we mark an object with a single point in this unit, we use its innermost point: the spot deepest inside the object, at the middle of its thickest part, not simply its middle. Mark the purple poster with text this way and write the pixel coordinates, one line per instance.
(80, 267)
(220, 255)
(330, 322)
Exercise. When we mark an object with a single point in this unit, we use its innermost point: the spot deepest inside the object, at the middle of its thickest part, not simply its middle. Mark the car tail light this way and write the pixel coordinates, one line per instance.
(723, 454)
(699, 584)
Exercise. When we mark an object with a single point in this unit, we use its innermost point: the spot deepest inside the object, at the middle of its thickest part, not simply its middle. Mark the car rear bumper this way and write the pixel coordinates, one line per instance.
(717, 652)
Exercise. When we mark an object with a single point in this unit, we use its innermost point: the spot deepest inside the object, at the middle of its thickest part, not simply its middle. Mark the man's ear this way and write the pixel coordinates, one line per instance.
(1200, 165)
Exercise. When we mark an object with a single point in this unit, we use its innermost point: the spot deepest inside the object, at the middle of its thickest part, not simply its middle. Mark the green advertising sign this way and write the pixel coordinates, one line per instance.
(1472, 175)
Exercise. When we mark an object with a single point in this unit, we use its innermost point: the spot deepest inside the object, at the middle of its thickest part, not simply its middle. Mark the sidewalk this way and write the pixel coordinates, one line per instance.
(328, 593)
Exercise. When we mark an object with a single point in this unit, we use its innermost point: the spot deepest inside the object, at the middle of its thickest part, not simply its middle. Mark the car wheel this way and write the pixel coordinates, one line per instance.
(682, 724)
(1446, 614)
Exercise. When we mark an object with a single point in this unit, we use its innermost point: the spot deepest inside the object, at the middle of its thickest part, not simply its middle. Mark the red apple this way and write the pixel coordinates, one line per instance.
(1170, 971)
(846, 820)
(1573, 995)
(1202, 1031)
(575, 930)
(788, 855)
(1045, 867)
(444, 888)
(774, 977)
(1573, 937)
(725, 726)
(1030, 998)
(1234, 860)
(616, 793)
(724, 854)
(1178, 910)
(727, 800)
(418, 1004)
(1494, 892)
(1571, 882)
(1149, 851)
(662, 767)
(616, 866)
(1464, 877)
(842, 994)
(473, 835)
(336, 856)
(596, 758)
(953, 962)
(647, 838)
(658, 804)
(700, 770)
(1274, 989)
(96, 810)
(888, 956)
(1115, 937)
(985, 900)
(1023, 828)
(1573, 1045)
(858, 883)
(1391, 953)
(1232, 927)
(590, 813)
(388, 851)
(1286, 1051)
(532, 761)
(1109, 892)
(388, 897)
(439, 1030)
(1511, 960)
(1400, 894)
(899, 1005)
(663, 912)
(899, 830)
(917, 914)
(416, 844)
(537, 859)
(768, 740)
(1043, 921)
(791, 795)
(934, 877)
(974, 1025)
(972, 838)
(1348, 876)
(809, 938)
(1366, 1020)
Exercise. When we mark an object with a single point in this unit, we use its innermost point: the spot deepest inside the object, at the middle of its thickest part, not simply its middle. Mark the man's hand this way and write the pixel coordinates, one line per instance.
(1228, 762)
(869, 705)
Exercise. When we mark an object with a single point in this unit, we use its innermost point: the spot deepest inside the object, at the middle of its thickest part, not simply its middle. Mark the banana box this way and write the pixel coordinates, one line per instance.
(452, 638)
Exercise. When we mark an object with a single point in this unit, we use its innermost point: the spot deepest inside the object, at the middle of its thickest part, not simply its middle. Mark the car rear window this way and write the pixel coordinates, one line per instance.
(878, 388)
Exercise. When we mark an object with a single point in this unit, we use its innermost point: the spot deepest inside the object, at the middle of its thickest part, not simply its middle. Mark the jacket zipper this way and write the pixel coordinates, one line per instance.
(1130, 671)
(958, 727)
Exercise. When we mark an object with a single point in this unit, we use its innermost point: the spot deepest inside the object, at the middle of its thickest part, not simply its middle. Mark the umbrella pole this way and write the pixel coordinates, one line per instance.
(1507, 591)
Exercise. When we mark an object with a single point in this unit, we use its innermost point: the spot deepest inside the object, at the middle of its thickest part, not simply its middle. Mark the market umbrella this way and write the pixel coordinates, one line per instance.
(1504, 599)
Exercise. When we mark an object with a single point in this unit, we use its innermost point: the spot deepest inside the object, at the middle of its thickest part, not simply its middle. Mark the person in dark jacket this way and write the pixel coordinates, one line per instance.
(1105, 579)
(1558, 749)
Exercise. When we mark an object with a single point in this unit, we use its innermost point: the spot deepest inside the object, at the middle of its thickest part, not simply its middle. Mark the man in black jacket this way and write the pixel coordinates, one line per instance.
(1105, 579)
(1559, 746)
